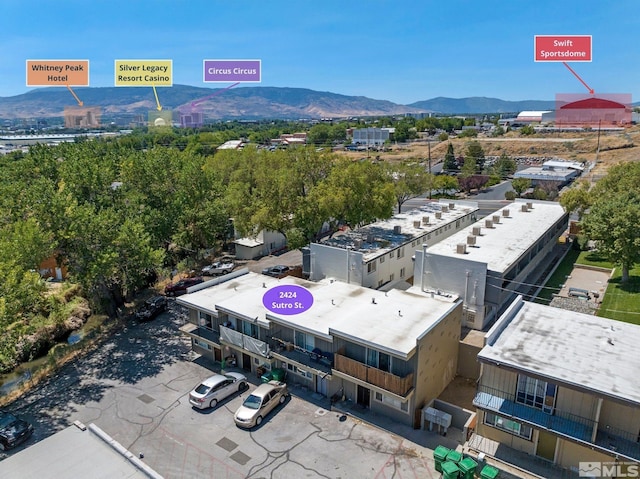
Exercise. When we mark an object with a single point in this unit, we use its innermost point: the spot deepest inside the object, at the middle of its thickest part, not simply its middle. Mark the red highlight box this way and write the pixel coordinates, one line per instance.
(562, 48)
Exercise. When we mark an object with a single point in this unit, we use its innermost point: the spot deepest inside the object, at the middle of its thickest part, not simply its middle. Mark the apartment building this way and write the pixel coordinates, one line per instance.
(393, 352)
(561, 385)
(381, 254)
(490, 261)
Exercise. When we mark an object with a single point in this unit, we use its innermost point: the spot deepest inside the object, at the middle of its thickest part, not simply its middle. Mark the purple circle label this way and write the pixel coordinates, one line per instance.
(288, 299)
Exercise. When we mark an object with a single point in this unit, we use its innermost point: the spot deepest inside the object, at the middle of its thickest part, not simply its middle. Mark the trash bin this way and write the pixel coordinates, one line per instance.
(450, 470)
(489, 472)
(279, 374)
(439, 456)
(454, 456)
(467, 468)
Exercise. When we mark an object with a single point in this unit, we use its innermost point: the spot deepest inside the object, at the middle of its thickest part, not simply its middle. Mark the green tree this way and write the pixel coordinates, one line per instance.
(475, 151)
(520, 185)
(410, 180)
(450, 163)
(527, 130)
(444, 184)
(505, 166)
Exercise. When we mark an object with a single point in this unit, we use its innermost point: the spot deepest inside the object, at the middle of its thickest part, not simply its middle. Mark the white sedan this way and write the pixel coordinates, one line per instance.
(216, 388)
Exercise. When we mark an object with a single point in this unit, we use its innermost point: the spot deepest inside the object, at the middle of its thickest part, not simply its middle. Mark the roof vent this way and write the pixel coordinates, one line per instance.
(416, 224)
(397, 230)
(445, 209)
(496, 219)
(461, 248)
(357, 243)
(452, 206)
(425, 220)
(438, 215)
(471, 240)
(488, 224)
(477, 231)
(524, 208)
(529, 205)
(505, 212)
(371, 238)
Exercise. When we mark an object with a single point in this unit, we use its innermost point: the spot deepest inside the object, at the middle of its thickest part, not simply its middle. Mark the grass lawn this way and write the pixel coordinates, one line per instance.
(621, 301)
(558, 277)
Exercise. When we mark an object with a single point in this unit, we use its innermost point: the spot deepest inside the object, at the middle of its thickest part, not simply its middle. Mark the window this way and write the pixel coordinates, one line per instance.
(402, 272)
(378, 360)
(391, 401)
(250, 329)
(293, 368)
(512, 427)
(536, 393)
(391, 276)
(201, 344)
(205, 320)
(401, 252)
(304, 341)
(391, 253)
(381, 259)
(371, 267)
(429, 236)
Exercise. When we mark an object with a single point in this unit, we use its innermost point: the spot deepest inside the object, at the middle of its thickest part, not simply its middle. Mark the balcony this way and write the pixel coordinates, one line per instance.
(242, 341)
(201, 332)
(560, 422)
(382, 379)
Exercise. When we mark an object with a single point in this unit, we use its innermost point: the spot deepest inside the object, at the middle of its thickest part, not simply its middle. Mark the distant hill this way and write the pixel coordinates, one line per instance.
(244, 103)
(480, 105)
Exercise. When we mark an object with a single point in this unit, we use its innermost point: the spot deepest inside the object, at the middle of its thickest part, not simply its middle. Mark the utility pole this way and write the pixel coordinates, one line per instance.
(430, 176)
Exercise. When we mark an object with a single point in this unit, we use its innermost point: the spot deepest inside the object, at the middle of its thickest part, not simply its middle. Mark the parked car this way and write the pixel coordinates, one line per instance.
(276, 271)
(180, 287)
(13, 431)
(260, 403)
(218, 268)
(151, 308)
(216, 388)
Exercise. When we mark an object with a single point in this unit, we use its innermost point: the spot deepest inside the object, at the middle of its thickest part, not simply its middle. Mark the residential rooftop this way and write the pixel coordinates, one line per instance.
(577, 349)
(501, 245)
(378, 238)
(392, 321)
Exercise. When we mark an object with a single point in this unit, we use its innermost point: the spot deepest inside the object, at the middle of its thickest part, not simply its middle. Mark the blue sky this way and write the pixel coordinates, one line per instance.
(402, 51)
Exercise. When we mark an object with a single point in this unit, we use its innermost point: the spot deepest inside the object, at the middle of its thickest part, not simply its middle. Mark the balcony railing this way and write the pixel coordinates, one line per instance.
(236, 338)
(382, 379)
(560, 422)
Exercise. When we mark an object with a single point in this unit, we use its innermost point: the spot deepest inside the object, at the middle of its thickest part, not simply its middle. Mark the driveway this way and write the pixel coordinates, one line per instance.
(135, 387)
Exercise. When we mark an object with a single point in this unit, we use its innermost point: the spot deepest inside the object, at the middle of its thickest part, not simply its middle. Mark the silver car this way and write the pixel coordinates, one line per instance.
(260, 403)
(216, 388)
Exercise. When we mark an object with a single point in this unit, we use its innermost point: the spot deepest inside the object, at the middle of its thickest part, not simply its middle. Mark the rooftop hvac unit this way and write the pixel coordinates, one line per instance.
(357, 243)
(452, 206)
(370, 238)
(496, 219)
(529, 205)
(505, 212)
(476, 231)
(397, 230)
(461, 248)
(488, 224)
(438, 215)
(445, 209)
(471, 240)
(416, 224)
(524, 208)
(425, 220)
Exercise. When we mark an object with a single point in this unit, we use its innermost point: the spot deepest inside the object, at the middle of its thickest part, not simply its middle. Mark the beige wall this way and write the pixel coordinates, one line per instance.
(619, 416)
(437, 358)
(499, 379)
(577, 403)
(505, 438)
(570, 454)
(468, 365)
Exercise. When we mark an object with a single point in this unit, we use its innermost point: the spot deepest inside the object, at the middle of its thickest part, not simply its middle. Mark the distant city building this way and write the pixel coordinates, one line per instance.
(82, 116)
(192, 119)
(371, 136)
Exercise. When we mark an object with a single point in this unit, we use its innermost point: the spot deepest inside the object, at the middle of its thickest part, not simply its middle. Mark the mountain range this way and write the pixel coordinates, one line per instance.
(248, 103)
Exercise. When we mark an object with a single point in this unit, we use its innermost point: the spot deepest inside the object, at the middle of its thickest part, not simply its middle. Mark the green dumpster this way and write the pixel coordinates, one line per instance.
(279, 374)
(489, 472)
(454, 456)
(450, 470)
(467, 468)
(439, 456)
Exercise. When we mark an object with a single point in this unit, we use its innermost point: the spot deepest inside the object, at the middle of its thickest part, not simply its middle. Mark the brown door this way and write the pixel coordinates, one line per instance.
(363, 396)
(246, 362)
(546, 445)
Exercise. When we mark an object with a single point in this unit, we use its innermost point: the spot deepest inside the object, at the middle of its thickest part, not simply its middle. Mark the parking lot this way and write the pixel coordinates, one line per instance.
(135, 387)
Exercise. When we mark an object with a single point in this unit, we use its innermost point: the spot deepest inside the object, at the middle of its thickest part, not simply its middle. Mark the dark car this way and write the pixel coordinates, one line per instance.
(276, 271)
(13, 431)
(152, 308)
(180, 287)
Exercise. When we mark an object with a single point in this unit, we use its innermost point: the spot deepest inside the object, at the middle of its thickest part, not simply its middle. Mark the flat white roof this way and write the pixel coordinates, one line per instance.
(544, 173)
(577, 349)
(249, 242)
(501, 246)
(378, 238)
(393, 323)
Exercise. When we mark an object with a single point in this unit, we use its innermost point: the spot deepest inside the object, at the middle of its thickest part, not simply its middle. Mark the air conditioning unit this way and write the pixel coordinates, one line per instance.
(496, 219)
(488, 224)
(445, 209)
(471, 240)
(477, 231)
(524, 208)
(438, 215)
(357, 243)
(425, 220)
(416, 224)
(461, 248)
(371, 238)
(529, 205)
(505, 212)
(452, 206)
(397, 230)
